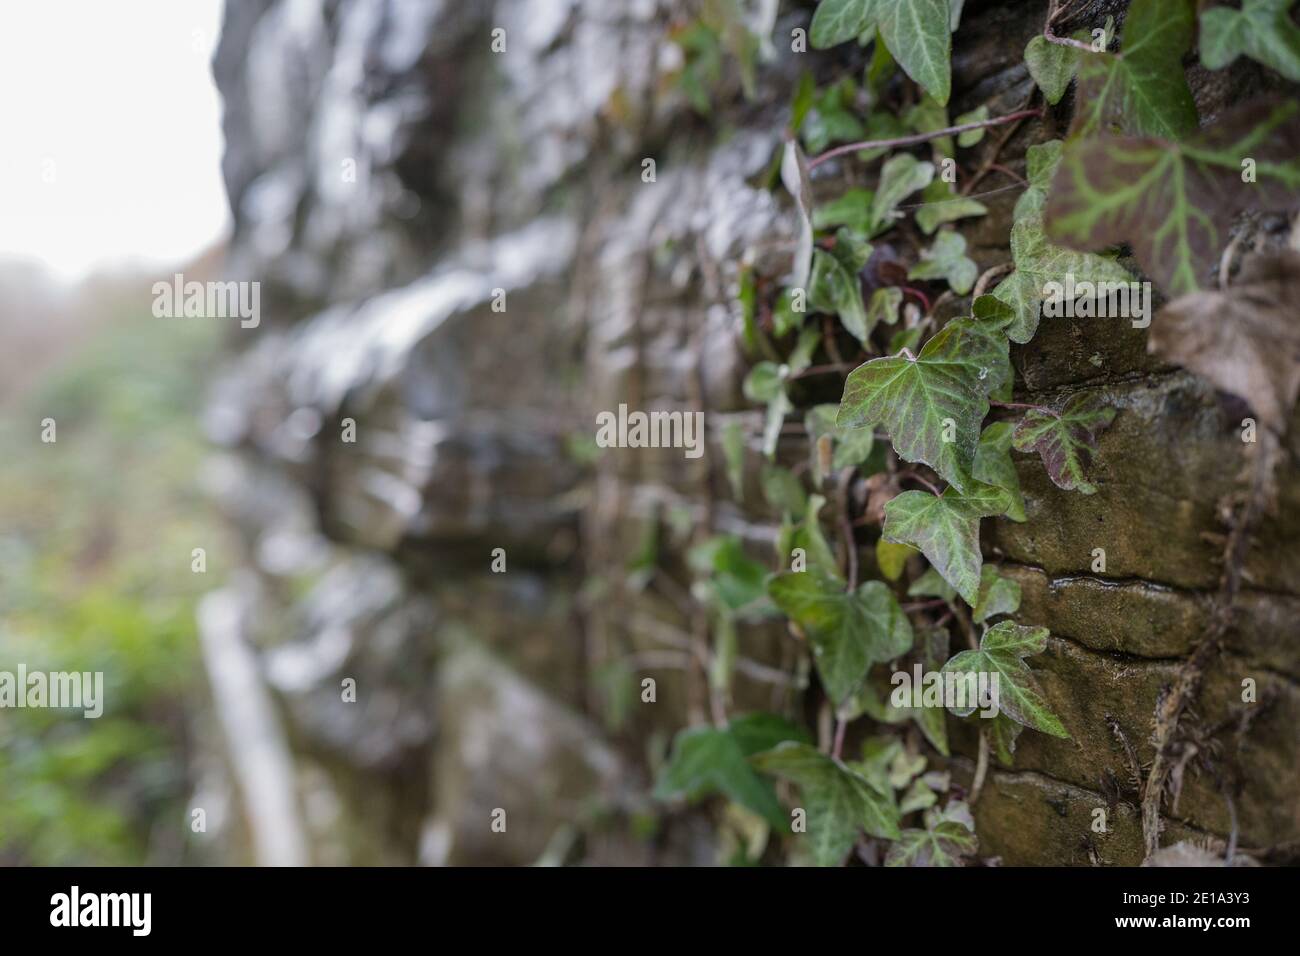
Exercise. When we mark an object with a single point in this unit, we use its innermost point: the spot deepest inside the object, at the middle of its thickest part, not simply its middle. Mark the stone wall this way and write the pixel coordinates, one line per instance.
(392, 178)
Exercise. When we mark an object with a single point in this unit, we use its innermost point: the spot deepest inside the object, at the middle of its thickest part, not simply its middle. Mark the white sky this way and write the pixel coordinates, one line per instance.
(119, 96)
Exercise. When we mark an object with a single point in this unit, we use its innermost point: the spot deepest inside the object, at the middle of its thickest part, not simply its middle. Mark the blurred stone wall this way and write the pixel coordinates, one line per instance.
(391, 179)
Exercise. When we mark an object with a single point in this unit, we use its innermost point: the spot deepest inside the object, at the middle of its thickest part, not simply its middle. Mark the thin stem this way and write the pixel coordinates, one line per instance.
(840, 726)
(925, 300)
(981, 767)
(824, 369)
(919, 137)
(915, 476)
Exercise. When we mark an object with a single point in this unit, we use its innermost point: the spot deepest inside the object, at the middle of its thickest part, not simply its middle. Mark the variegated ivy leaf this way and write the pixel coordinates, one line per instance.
(840, 802)
(946, 259)
(794, 176)
(1066, 441)
(1262, 29)
(1038, 262)
(947, 530)
(948, 836)
(1002, 651)
(835, 286)
(943, 204)
(838, 21)
(1040, 166)
(918, 35)
(712, 760)
(900, 176)
(1174, 202)
(850, 446)
(993, 465)
(1143, 90)
(998, 595)
(848, 630)
(932, 405)
(1052, 66)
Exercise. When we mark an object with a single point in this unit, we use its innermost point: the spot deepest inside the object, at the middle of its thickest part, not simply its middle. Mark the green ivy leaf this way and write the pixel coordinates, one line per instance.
(839, 801)
(1003, 733)
(783, 490)
(1002, 651)
(832, 118)
(892, 558)
(709, 760)
(998, 595)
(1039, 262)
(1143, 90)
(737, 579)
(1052, 66)
(835, 286)
(949, 835)
(848, 631)
(971, 136)
(1175, 202)
(947, 530)
(949, 381)
(993, 465)
(808, 536)
(900, 176)
(765, 383)
(884, 305)
(1066, 441)
(929, 116)
(943, 204)
(1262, 29)
(918, 35)
(931, 584)
(838, 21)
(852, 210)
(851, 446)
(946, 259)
(1040, 166)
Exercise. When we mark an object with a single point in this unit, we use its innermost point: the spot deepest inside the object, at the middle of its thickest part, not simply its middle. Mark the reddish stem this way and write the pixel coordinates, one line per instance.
(919, 137)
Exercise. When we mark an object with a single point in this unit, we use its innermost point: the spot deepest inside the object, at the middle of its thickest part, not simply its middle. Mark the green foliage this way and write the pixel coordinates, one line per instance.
(1066, 440)
(839, 801)
(847, 630)
(946, 259)
(708, 760)
(1262, 30)
(838, 21)
(949, 835)
(943, 204)
(998, 595)
(835, 286)
(1052, 66)
(1174, 202)
(1143, 90)
(993, 465)
(1002, 651)
(946, 529)
(919, 36)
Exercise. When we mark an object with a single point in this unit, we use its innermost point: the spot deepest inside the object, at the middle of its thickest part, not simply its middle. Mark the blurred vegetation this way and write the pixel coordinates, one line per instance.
(96, 534)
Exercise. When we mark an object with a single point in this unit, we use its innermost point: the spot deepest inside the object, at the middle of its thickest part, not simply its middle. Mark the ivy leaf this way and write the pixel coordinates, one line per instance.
(765, 383)
(918, 35)
(1246, 339)
(892, 558)
(794, 176)
(840, 801)
(931, 584)
(738, 580)
(1067, 440)
(1040, 166)
(1261, 29)
(852, 209)
(1174, 202)
(971, 136)
(848, 631)
(993, 465)
(1003, 733)
(835, 286)
(943, 204)
(832, 118)
(808, 536)
(900, 176)
(940, 394)
(709, 760)
(949, 835)
(884, 305)
(929, 116)
(1002, 651)
(1144, 90)
(946, 259)
(998, 595)
(946, 528)
(852, 446)
(783, 490)
(837, 21)
(1039, 262)
(1052, 66)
